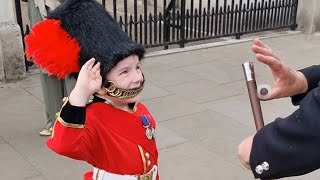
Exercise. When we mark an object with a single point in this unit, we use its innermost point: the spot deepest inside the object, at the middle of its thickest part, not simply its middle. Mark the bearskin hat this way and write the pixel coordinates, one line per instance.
(76, 31)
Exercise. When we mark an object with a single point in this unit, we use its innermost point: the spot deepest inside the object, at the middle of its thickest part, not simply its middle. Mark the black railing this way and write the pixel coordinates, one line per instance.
(181, 21)
(20, 23)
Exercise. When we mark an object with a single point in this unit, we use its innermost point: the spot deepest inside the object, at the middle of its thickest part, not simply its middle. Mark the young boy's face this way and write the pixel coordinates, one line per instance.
(127, 75)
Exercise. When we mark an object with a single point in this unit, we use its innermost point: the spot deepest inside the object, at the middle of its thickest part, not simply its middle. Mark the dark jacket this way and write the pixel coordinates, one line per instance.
(291, 146)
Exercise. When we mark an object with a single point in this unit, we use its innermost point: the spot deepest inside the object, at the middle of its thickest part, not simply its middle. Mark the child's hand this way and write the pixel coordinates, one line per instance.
(89, 81)
(89, 78)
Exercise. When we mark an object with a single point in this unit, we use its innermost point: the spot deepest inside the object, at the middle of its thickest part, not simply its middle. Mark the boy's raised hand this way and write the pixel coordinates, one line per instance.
(288, 82)
(89, 81)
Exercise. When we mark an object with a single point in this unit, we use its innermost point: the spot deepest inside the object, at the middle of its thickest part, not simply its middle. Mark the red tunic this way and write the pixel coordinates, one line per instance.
(111, 139)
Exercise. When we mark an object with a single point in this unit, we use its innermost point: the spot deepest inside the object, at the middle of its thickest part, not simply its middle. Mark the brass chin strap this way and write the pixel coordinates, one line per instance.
(113, 91)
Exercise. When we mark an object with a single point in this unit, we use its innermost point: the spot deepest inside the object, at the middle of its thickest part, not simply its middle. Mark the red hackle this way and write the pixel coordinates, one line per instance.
(51, 48)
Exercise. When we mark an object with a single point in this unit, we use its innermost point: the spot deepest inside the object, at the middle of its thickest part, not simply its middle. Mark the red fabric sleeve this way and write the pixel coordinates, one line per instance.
(75, 143)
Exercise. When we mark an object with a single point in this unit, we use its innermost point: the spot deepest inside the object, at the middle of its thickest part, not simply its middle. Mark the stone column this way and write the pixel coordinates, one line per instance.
(7, 11)
(12, 66)
(308, 17)
(2, 77)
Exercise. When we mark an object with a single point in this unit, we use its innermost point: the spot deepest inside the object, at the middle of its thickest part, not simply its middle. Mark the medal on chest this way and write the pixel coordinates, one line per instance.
(150, 131)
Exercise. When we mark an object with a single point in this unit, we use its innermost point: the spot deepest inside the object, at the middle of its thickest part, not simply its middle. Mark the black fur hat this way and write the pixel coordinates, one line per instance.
(90, 28)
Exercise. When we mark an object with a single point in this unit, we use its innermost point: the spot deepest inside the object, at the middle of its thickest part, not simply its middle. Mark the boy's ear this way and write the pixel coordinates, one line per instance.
(102, 91)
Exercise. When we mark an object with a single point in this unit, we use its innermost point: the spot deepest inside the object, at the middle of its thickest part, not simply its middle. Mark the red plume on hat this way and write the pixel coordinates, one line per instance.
(52, 49)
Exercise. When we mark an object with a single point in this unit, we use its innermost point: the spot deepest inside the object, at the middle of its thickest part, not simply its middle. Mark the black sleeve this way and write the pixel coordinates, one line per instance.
(73, 114)
(290, 145)
(312, 75)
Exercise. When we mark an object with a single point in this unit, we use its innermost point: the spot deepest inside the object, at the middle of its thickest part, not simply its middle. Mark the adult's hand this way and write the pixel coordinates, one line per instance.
(244, 150)
(288, 82)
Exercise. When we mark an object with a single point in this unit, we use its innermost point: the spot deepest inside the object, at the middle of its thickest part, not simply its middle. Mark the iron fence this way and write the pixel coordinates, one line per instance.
(179, 21)
(23, 31)
(154, 23)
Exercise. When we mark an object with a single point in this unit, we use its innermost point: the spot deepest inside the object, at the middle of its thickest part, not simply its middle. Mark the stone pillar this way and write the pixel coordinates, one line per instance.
(7, 11)
(2, 77)
(308, 17)
(12, 66)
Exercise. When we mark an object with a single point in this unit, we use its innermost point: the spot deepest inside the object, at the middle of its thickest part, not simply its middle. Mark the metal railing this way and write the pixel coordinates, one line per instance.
(23, 31)
(154, 24)
(175, 22)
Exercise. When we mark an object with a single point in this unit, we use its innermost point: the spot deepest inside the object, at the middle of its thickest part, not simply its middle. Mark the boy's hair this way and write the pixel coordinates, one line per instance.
(89, 32)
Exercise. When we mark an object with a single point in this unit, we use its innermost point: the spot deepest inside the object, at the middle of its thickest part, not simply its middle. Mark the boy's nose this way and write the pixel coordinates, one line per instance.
(137, 77)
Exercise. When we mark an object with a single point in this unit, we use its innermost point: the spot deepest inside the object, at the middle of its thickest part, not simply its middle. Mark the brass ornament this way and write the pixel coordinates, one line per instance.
(113, 91)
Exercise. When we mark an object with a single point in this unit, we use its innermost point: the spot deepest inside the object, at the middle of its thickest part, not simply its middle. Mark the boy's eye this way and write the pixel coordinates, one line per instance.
(123, 72)
(138, 67)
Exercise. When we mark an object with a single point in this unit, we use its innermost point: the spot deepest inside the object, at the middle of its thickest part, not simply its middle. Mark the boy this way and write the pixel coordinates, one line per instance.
(114, 133)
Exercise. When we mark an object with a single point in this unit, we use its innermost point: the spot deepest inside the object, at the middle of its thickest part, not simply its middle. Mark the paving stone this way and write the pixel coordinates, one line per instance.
(32, 79)
(240, 86)
(55, 167)
(32, 147)
(239, 108)
(2, 141)
(37, 178)
(13, 166)
(170, 107)
(190, 161)
(218, 72)
(167, 138)
(234, 108)
(35, 91)
(171, 77)
(151, 91)
(233, 54)
(178, 60)
(202, 91)
(21, 110)
(9, 90)
(209, 129)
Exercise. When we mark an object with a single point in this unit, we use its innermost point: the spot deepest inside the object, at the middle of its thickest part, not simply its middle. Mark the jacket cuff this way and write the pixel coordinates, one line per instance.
(255, 162)
(312, 75)
(71, 116)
